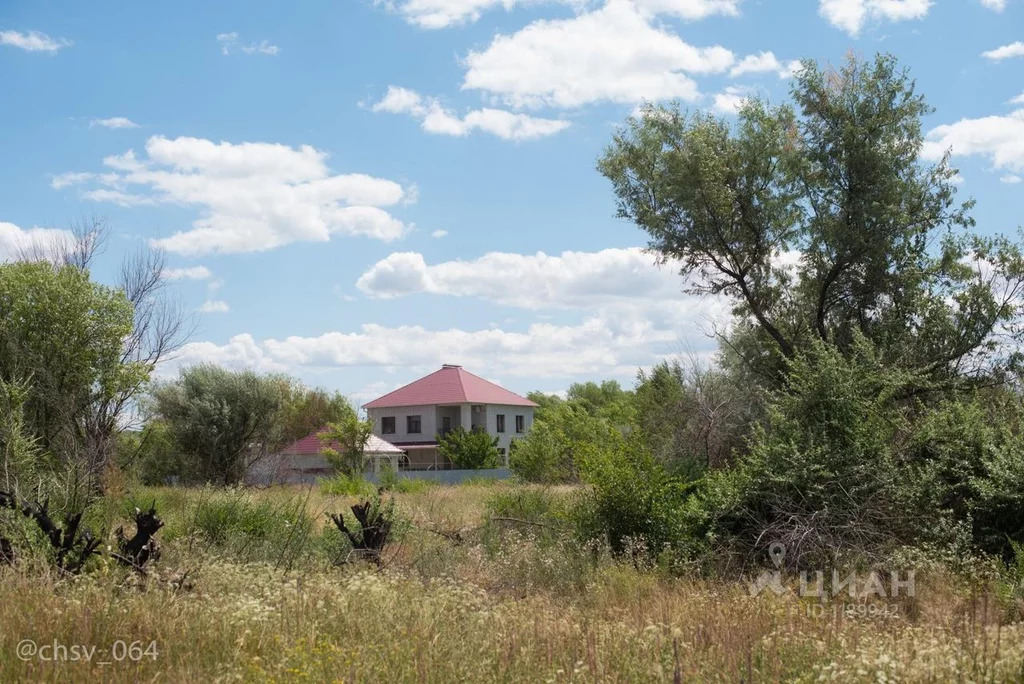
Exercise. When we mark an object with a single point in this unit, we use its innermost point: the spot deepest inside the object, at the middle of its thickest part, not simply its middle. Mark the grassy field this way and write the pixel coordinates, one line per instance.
(481, 584)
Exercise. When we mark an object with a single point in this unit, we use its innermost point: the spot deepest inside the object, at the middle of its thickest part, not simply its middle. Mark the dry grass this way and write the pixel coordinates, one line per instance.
(501, 606)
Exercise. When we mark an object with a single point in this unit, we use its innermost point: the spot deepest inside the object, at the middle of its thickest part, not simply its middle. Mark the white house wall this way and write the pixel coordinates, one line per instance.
(428, 423)
(510, 413)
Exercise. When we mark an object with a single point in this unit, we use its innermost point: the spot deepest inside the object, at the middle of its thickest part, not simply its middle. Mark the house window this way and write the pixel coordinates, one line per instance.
(501, 422)
(387, 425)
(520, 423)
(412, 425)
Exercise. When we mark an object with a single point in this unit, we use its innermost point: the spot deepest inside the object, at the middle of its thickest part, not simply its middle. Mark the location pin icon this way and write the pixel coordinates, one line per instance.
(777, 552)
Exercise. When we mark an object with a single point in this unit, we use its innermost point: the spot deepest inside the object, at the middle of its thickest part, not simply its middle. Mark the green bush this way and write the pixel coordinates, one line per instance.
(239, 524)
(633, 504)
(820, 477)
(967, 468)
(470, 449)
(347, 485)
(550, 452)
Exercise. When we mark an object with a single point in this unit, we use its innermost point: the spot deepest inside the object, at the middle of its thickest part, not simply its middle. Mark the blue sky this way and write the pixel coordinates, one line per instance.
(355, 192)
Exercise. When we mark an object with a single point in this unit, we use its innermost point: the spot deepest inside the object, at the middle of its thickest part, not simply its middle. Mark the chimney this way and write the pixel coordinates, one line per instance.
(450, 365)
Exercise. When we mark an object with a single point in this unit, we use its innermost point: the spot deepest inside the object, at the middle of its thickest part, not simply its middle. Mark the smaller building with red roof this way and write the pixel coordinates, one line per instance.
(413, 416)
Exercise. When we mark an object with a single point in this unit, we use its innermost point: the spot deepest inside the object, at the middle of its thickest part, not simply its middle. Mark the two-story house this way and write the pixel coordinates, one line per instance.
(412, 416)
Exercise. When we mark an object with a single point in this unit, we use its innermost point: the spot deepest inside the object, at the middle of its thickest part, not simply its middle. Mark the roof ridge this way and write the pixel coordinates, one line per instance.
(462, 386)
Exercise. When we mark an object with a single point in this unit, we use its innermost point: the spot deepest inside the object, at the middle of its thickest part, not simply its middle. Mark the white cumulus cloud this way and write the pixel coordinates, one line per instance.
(239, 353)
(188, 273)
(632, 313)
(611, 54)
(33, 41)
(764, 62)
(532, 281)
(1000, 139)
(729, 100)
(33, 242)
(437, 119)
(251, 196)
(852, 15)
(114, 122)
(1015, 49)
(437, 14)
(214, 306)
(995, 5)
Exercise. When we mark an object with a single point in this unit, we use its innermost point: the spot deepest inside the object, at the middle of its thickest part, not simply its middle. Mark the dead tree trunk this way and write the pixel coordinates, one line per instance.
(6, 552)
(72, 549)
(375, 521)
(142, 547)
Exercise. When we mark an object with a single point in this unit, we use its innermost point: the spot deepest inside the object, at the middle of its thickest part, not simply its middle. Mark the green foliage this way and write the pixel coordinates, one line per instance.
(19, 451)
(152, 455)
(883, 248)
(607, 401)
(219, 419)
(470, 449)
(966, 467)
(820, 477)
(347, 485)
(692, 418)
(633, 504)
(345, 443)
(61, 351)
(545, 403)
(549, 452)
(532, 504)
(304, 410)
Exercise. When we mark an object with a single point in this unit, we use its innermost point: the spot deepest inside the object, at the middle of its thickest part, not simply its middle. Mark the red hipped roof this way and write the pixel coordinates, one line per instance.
(450, 385)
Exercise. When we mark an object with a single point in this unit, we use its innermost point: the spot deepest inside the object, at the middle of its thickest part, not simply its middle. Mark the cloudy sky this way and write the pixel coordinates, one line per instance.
(356, 191)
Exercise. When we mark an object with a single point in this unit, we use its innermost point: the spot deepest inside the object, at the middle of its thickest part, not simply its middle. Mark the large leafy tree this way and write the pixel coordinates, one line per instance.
(79, 354)
(62, 341)
(820, 221)
(221, 420)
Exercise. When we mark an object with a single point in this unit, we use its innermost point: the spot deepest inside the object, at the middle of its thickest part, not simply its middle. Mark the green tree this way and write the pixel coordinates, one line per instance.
(345, 443)
(469, 449)
(151, 455)
(822, 223)
(550, 451)
(62, 338)
(305, 410)
(606, 400)
(221, 420)
(545, 403)
(692, 417)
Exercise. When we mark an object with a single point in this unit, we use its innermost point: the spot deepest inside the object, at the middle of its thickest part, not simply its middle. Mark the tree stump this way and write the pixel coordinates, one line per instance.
(375, 521)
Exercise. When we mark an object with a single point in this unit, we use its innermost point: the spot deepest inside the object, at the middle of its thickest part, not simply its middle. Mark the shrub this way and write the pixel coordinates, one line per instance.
(347, 485)
(967, 468)
(344, 444)
(472, 449)
(633, 504)
(550, 451)
(820, 477)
